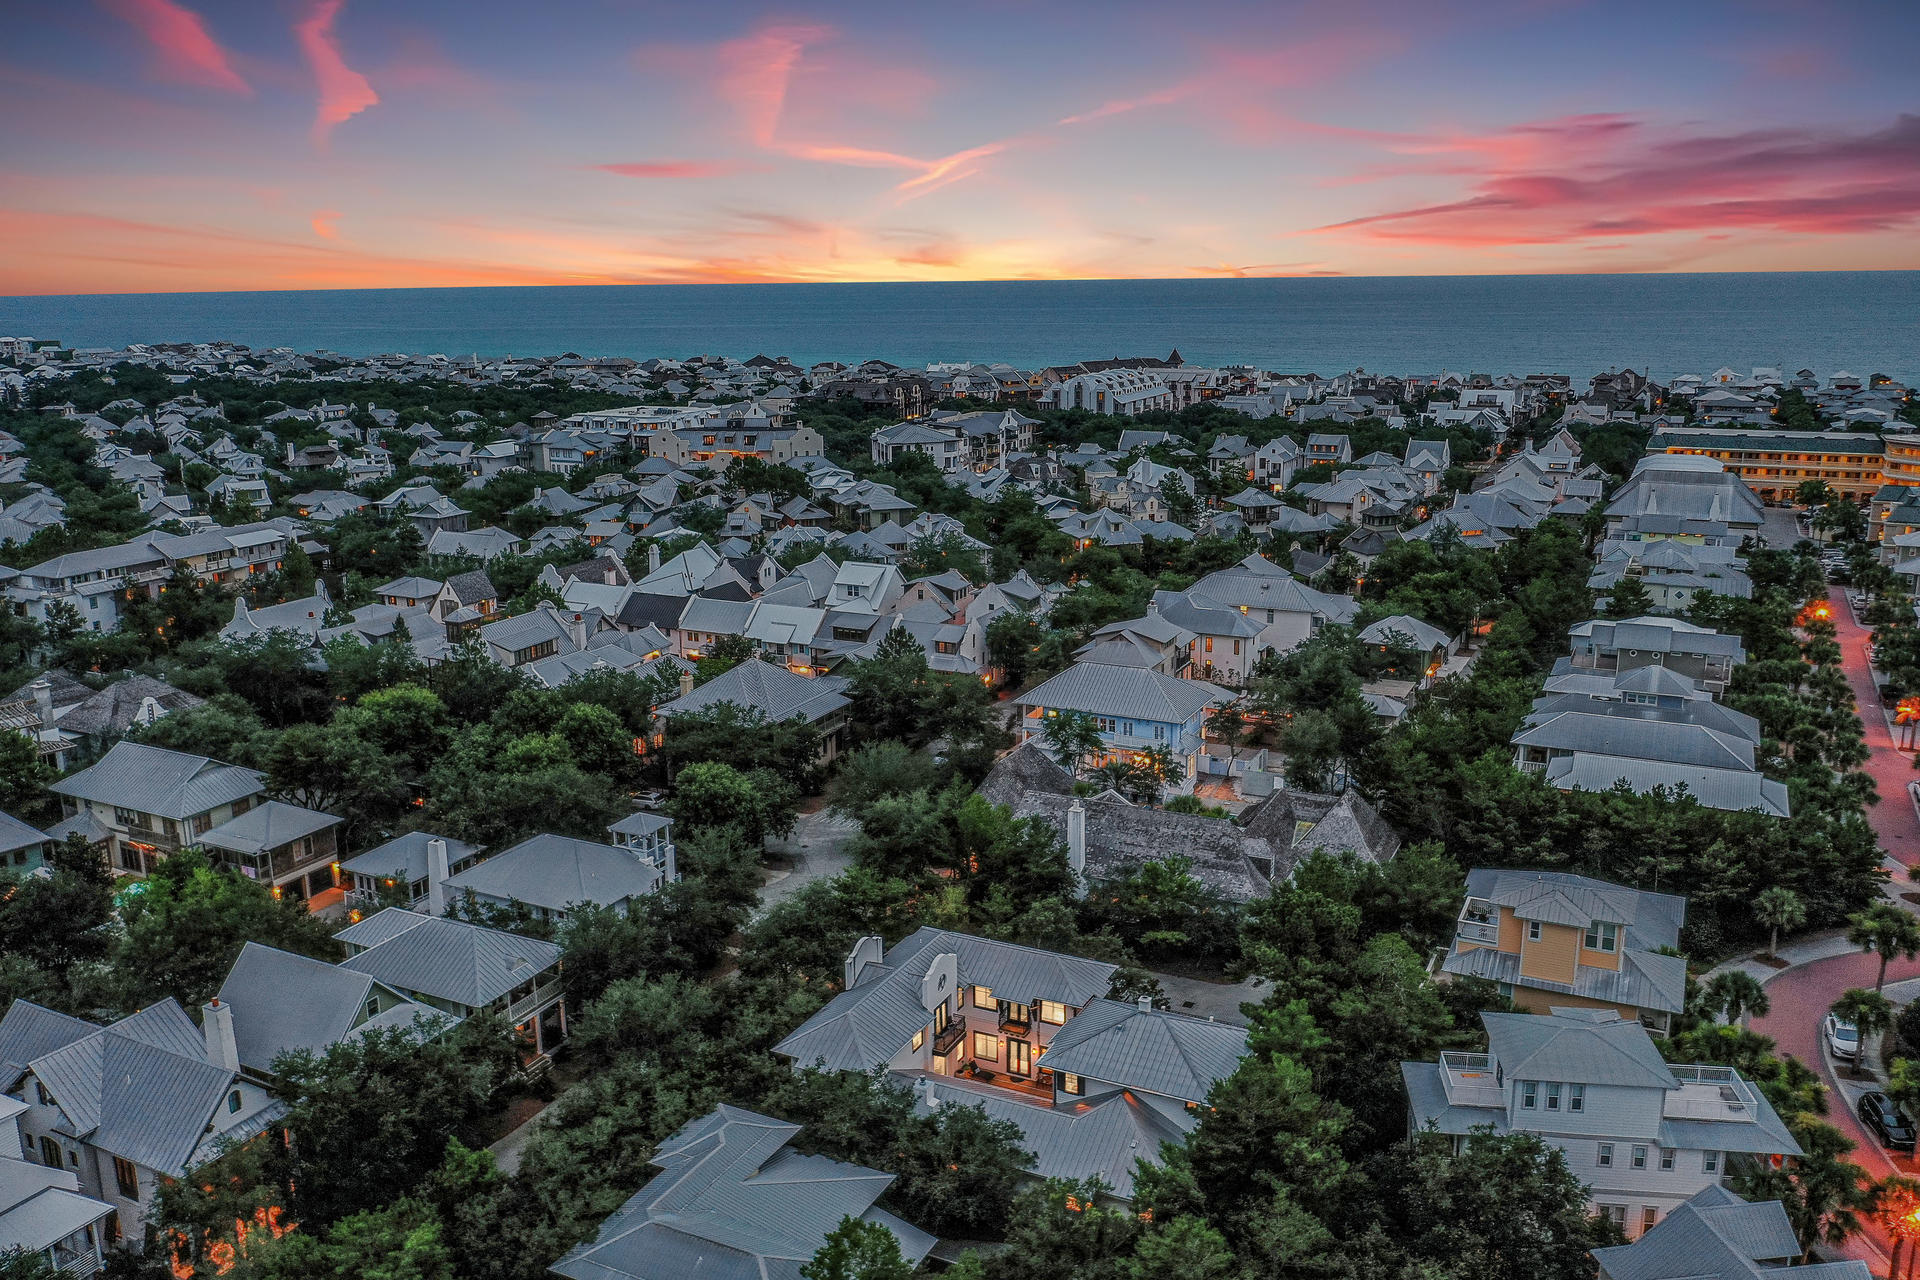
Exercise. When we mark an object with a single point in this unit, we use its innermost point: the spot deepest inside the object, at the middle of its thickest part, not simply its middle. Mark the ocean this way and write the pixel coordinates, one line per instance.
(1861, 322)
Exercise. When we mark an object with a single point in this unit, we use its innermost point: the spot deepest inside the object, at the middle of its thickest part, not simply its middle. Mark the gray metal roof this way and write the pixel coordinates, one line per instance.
(404, 857)
(1125, 691)
(734, 1202)
(1716, 1235)
(1147, 1050)
(29, 1031)
(451, 960)
(1569, 1045)
(775, 692)
(1652, 920)
(1403, 627)
(154, 780)
(1104, 1138)
(284, 1002)
(557, 872)
(864, 1026)
(1731, 789)
(268, 825)
(141, 1088)
(15, 834)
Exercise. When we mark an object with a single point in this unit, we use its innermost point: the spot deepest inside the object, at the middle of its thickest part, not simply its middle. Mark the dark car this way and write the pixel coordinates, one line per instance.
(1886, 1120)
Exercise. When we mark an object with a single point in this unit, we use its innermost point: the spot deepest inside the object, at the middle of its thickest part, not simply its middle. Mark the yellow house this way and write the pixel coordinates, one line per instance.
(1555, 940)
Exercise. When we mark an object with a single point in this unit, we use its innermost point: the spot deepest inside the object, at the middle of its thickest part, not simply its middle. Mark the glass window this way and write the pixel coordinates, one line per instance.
(1639, 1157)
(983, 997)
(1553, 1097)
(1617, 1213)
(1666, 1159)
(1605, 1157)
(1529, 1094)
(1533, 931)
(986, 1046)
(1648, 1216)
(1709, 1162)
(127, 1178)
(1602, 935)
(1070, 1083)
(1053, 1011)
(233, 1102)
(919, 1038)
(1576, 1097)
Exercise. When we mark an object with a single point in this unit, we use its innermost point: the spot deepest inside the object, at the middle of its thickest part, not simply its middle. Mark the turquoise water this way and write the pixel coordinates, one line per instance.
(1863, 322)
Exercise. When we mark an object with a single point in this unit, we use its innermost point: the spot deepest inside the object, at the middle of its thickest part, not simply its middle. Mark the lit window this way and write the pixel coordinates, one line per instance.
(1071, 1083)
(919, 1038)
(1053, 1011)
(986, 1046)
(983, 997)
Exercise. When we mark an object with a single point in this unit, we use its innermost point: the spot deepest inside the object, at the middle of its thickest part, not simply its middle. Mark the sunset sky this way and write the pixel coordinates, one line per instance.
(162, 145)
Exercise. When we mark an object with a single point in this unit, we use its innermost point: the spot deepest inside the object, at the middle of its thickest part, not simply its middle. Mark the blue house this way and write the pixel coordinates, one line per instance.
(1136, 708)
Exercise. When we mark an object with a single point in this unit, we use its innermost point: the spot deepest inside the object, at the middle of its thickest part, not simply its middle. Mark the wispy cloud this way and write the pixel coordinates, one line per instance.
(1601, 178)
(1120, 106)
(670, 168)
(344, 92)
(326, 224)
(182, 46)
(756, 70)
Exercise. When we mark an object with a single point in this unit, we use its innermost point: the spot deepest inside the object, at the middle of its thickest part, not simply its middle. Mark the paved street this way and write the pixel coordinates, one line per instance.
(1801, 995)
(816, 850)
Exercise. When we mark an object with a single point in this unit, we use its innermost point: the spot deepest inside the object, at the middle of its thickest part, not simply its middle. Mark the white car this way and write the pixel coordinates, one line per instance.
(1913, 794)
(1843, 1038)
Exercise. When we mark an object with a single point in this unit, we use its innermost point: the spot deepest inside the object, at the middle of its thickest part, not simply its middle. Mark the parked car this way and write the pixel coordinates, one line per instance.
(1843, 1038)
(650, 798)
(1913, 794)
(1887, 1121)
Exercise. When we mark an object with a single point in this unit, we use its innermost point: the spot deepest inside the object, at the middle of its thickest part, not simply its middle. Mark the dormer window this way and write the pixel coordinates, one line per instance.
(1602, 935)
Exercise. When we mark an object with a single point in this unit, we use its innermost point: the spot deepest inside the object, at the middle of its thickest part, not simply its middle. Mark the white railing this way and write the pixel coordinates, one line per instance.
(1471, 1080)
(1710, 1093)
(1478, 922)
(525, 1007)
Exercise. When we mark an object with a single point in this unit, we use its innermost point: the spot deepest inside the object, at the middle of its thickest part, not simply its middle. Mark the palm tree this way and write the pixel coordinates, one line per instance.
(1823, 1193)
(1736, 994)
(1888, 930)
(1779, 908)
(1870, 1013)
(1896, 1205)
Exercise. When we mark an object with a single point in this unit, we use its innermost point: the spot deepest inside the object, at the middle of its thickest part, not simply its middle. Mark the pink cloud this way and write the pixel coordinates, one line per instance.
(756, 70)
(181, 44)
(1600, 178)
(669, 168)
(344, 92)
(1120, 106)
(326, 224)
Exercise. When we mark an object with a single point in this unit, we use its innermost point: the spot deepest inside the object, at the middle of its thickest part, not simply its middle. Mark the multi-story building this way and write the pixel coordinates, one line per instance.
(1135, 710)
(1643, 1134)
(98, 583)
(1027, 1035)
(144, 802)
(1127, 393)
(1550, 938)
(1716, 1235)
(1776, 463)
(1701, 655)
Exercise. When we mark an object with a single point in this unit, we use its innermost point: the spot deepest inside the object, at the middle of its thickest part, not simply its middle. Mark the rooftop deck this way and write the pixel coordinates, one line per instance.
(1471, 1080)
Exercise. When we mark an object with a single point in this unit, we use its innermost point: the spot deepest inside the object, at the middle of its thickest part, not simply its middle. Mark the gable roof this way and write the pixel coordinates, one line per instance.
(1601, 1049)
(1715, 1235)
(776, 692)
(452, 960)
(1098, 688)
(864, 1026)
(284, 1002)
(557, 872)
(734, 1202)
(29, 1031)
(154, 780)
(1147, 1050)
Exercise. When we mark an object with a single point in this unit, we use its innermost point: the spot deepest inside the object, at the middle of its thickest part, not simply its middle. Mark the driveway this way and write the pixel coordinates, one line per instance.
(815, 850)
(1781, 528)
(1893, 818)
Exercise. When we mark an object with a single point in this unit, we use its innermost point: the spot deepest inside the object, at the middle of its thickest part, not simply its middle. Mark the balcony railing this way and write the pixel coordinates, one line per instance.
(955, 1034)
(543, 995)
(1710, 1093)
(1478, 922)
(1019, 1022)
(1471, 1080)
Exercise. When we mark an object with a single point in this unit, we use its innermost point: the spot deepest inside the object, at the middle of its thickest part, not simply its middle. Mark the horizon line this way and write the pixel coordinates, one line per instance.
(1016, 280)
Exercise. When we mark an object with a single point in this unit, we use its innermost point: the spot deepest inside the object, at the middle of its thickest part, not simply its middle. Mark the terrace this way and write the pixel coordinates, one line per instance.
(1710, 1093)
(1472, 1080)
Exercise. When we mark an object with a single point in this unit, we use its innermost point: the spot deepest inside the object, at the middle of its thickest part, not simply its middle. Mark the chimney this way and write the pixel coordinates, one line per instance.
(437, 877)
(216, 1021)
(1077, 843)
(686, 683)
(869, 950)
(1146, 1004)
(42, 702)
(653, 558)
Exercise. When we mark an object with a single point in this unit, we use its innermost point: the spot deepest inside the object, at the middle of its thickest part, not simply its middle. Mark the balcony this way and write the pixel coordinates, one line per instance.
(953, 1036)
(542, 995)
(1471, 1080)
(1019, 1021)
(1710, 1093)
(1479, 923)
